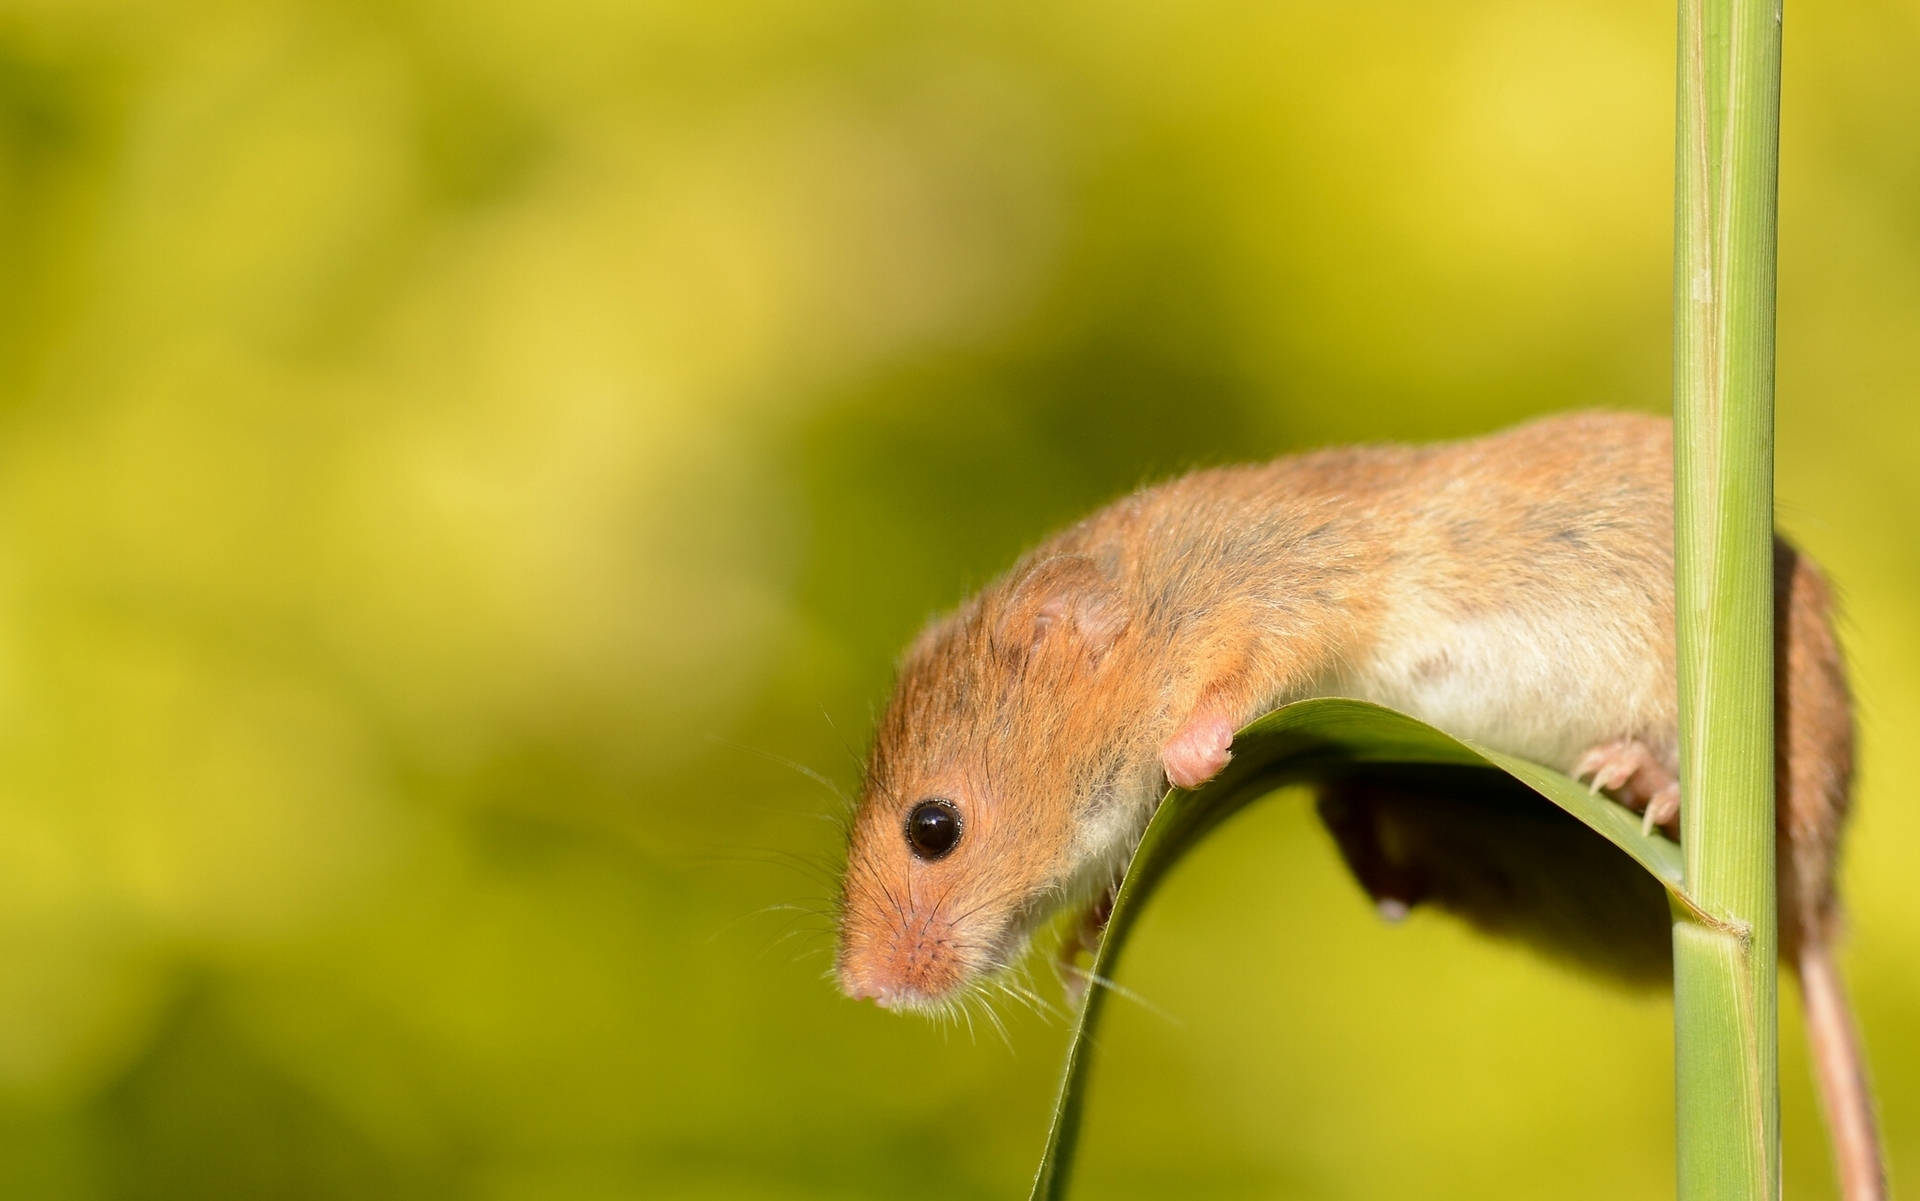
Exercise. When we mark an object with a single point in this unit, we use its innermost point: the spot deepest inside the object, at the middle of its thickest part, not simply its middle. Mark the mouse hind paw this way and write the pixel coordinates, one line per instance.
(1354, 812)
(1627, 770)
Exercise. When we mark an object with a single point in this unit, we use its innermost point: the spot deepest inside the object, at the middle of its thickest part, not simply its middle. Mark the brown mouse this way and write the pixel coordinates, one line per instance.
(1515, 590)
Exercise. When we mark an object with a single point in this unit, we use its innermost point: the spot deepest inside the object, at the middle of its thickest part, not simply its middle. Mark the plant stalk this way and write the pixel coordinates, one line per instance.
(1725, 952)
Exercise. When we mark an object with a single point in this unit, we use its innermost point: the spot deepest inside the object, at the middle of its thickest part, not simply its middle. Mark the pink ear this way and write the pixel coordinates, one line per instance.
(1062, 595)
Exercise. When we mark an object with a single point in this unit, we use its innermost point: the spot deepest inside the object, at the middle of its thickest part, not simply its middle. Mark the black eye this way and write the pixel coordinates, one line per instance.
(933, 827)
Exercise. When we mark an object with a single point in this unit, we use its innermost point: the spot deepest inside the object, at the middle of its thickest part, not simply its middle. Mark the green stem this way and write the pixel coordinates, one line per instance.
(1727, 156)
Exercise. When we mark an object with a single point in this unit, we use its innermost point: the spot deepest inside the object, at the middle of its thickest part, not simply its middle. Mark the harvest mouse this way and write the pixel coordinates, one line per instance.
(1515, 590)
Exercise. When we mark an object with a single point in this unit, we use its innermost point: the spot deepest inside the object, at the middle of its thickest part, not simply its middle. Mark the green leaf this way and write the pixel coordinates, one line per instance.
(1302, 741)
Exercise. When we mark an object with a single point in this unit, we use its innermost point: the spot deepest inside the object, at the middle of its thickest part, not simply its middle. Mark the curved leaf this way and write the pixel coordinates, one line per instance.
(1301, 741)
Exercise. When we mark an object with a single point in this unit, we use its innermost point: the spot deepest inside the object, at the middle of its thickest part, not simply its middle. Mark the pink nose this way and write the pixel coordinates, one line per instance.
(896, 974)
(859, 986)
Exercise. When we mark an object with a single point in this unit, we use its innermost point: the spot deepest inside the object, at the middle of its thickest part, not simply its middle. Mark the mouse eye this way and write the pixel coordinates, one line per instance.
(933, 827)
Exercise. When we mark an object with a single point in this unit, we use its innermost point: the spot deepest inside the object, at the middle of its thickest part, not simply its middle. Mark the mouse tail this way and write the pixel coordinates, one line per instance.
(1842, 1073)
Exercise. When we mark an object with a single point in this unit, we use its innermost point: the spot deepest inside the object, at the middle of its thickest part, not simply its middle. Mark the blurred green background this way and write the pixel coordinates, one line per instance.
(451, 453)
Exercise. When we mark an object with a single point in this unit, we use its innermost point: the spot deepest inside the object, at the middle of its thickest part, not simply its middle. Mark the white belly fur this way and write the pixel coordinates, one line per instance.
(1534, 683)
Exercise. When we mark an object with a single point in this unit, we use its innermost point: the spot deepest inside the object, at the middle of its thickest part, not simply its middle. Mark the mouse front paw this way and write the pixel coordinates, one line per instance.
(1199, 751)
(1083, 938)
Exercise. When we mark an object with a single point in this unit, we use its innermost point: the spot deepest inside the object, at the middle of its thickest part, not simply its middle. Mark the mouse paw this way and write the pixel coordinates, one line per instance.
(1084, 939)
(1199, 751)
(1628, 770)
(1353, 813)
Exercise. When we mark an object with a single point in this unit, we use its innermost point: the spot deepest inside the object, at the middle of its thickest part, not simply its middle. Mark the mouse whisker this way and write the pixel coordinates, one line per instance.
(966, 1014)
(790, 935)
(834, 790)
(859, 764)
(991, 899)
(895, 901)
(1020, 991)
(948, 1011)
(819, 869)
(999, 1027)
(1119, 990)
(808, 952)
(763, 911)
(1019, 998)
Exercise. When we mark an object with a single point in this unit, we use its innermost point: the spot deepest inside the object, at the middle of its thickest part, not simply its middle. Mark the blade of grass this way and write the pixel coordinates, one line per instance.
(1301, 741)
(1725, 1008)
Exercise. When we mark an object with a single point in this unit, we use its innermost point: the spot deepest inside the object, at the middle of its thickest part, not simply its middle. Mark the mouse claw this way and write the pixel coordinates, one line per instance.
(1610, 765)
(1663, 810)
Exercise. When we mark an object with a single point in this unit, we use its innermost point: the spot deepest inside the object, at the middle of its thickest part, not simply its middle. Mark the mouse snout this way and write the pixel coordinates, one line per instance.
(901, 965)
(929, 899)
(901, 977)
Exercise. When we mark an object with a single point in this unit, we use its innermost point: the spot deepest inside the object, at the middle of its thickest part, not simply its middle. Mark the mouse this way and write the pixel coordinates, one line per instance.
(1515, 590)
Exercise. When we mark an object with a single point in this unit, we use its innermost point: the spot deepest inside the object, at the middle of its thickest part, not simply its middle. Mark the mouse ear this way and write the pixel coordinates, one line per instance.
(1066, 595)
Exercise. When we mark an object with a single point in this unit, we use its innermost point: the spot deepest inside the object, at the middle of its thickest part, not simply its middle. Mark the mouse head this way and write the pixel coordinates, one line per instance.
(1001, 783)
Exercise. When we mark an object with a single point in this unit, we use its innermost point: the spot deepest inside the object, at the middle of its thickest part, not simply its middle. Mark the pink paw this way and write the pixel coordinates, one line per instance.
(1634, 776)
(1198, 752)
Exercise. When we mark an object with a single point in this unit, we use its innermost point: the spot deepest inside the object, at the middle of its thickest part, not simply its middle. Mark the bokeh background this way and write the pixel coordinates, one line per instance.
(453, 455)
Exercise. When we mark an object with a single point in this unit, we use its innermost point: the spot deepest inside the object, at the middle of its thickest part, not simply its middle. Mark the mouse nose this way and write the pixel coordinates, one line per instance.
(898, 972)
(861, 986)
